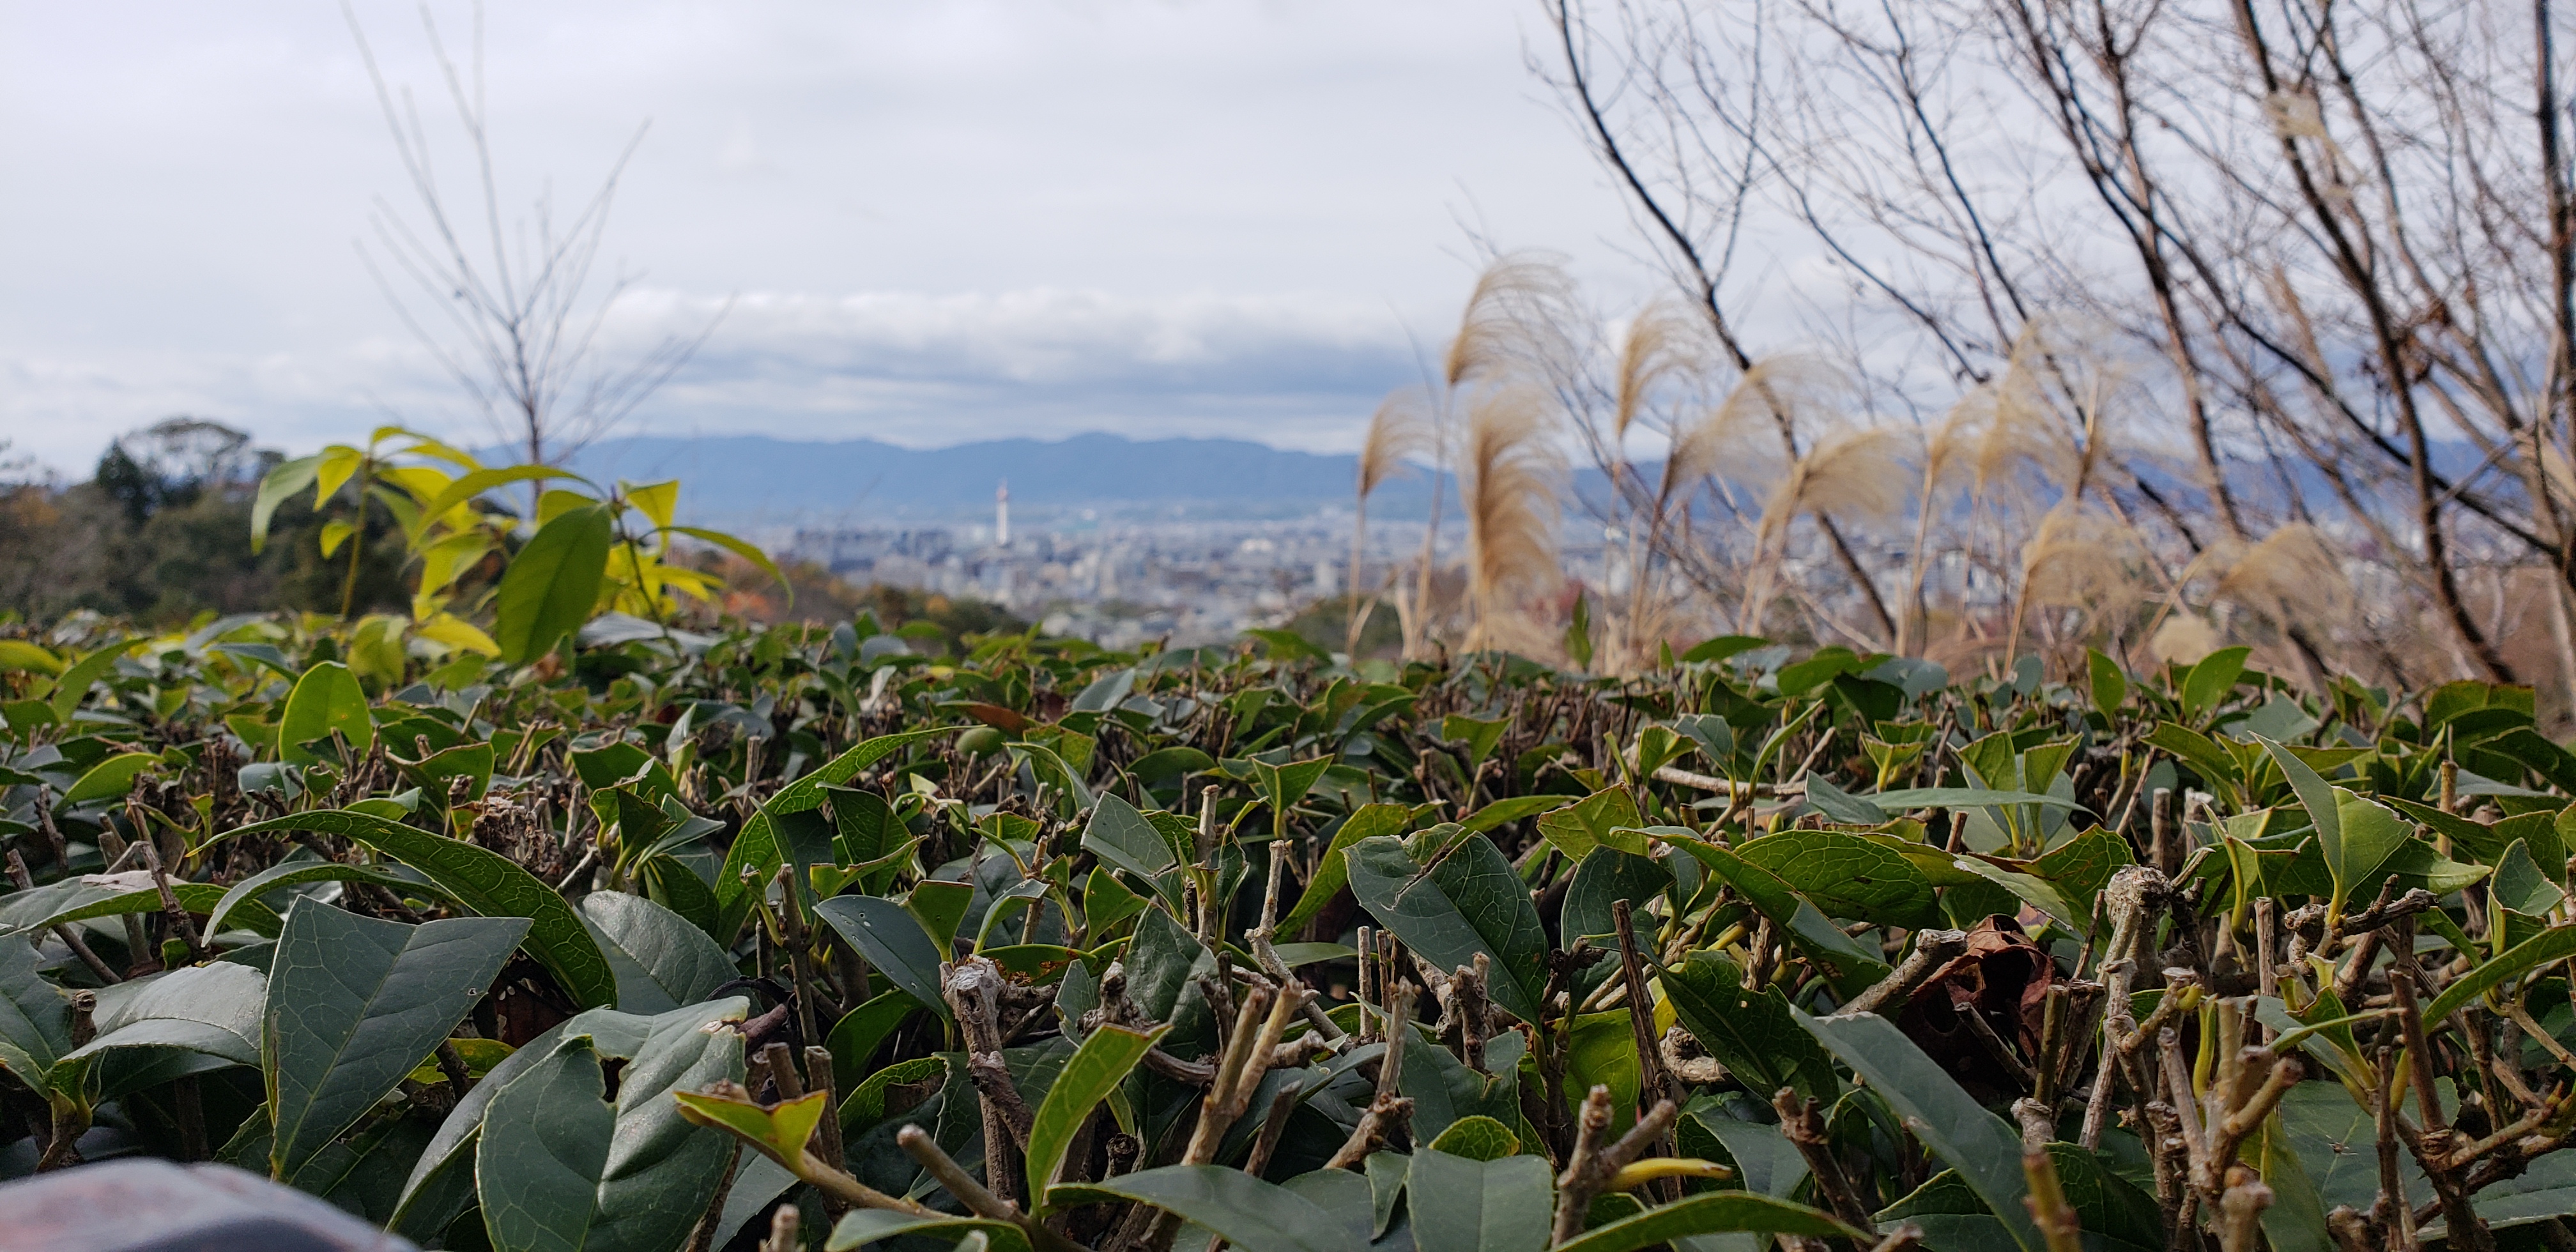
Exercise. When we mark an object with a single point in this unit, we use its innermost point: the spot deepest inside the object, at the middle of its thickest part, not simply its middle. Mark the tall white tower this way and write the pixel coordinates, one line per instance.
(1002, 515)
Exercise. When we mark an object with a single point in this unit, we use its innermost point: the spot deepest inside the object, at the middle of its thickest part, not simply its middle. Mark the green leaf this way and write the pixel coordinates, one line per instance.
(1751, 1033)
(35, 1018)
(1715, 1213)
(894, 943)
(1847, 965)
(75, 683)
(1253, 1215)
(1472, 1203)
(1095, 1069)
(1333, 873)
(661, 961)
(275, 488)
(1608, 816)
(245, 896)
(1477, 735)
(2519, 884)
(2209, 682)
(326, 699)
(1477, 1138)
(2110, 687)
(561, 1166)
(1512, 809)
(476, 482)
(1847, 876)
(212, 1009)
(883, 1227)
(1981, 1146)
(109, 778)
(1119, 835)
(1471, 902)
(2196, 750)
(741, 549)
(2372, 836)
(552, 584)
(481, 880)
(855, 1037)
(756, 846)
(354, 1003)
(2549, 946)
(1961, 798)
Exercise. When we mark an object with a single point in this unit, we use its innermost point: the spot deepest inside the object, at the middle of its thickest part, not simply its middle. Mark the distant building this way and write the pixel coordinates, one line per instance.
(1002, 515)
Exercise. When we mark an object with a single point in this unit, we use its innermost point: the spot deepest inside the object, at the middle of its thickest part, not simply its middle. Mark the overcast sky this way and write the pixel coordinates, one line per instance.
(938, 222)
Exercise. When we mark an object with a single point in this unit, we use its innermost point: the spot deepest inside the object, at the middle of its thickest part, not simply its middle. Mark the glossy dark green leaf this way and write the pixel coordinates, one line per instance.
(1253, 1215)
(297, 873)
(354, 1003)
(882, 1227)
(855, 1037)
(35, 1017)
(1471, 902)
(1095, 1069)
(1461, 1204)
(1752, 1034)
(484, 881)
(661, 961)
(1715, 1213)
(1120, 836)
(1847, 876)
(559, 1165)
(2554, 944)
(894, 942)
(756, 847)
(1981, 1146)
(1333, 872)
(552, 584)
(214, 1009)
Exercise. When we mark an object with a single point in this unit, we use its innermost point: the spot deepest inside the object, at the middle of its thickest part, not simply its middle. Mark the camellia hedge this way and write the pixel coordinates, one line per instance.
(799, 938)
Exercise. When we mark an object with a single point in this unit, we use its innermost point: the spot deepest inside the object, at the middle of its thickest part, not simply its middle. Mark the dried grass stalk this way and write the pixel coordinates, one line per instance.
(1511, 473)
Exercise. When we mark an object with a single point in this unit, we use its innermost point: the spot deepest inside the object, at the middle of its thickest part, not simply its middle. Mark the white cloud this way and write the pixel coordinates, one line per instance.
(1174, 213)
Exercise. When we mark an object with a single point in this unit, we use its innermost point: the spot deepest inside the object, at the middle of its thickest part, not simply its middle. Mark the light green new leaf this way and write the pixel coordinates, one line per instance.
(552, 584)
(1460, 1204)
(75, 682)
(326, 699)
(276, 488)
(481, 880)
(109, 778)
(354, 1003)
(661, 961)
(1981, 1146)
(1470, 902)
(1095, 1069)
(1477, 1137)
(1253, 1215)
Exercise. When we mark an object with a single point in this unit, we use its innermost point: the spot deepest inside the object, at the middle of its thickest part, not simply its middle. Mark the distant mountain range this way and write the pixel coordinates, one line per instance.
(755, 478)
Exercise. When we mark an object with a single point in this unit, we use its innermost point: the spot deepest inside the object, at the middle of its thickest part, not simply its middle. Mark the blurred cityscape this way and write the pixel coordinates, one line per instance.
(1118, 578)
